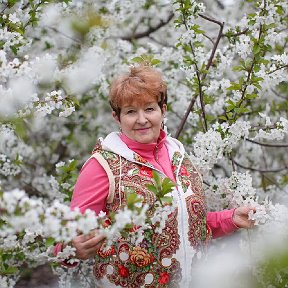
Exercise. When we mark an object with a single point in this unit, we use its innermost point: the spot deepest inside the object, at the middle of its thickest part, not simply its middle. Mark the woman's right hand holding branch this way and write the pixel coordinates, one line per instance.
(87, 246)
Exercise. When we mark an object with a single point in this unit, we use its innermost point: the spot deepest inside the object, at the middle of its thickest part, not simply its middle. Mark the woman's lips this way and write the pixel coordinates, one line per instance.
(142, 129)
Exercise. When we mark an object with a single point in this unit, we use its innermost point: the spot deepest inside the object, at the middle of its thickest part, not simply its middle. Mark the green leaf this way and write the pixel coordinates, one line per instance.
(157, 179)
(230, 108)
(241, 110)
(167, 200)
(155, 61)
(234, 86)
(49, 241)
(152, 188)
(11, 3)
(168, 182)
(238, 68)
(132, 199)
(251, 96)
(257, 85)
(137, 59)
(75, 101)
(231, 103)
(256, 49)
(11, 270)
(222, 118)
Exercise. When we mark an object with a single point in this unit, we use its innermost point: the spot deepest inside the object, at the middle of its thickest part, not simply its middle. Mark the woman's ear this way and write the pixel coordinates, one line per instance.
(116, 117)
(164, 109)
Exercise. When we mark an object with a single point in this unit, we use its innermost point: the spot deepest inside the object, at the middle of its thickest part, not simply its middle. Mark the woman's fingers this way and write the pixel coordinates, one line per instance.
(241, 217)
(87, 245)
(94, 242)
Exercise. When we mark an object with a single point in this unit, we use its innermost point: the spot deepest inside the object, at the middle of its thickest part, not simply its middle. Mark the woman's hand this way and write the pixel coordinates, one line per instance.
(87, 245)
(241, 217)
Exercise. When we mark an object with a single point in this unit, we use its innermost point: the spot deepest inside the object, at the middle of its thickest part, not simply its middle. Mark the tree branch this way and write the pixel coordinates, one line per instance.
(221, 24)
(259, 170)
(278, 95)
(184, 119)
(209, 63)
(220, 4)
(278, 68)
(209, 38)
(63, 34)
(2, 11)
(162, 44)
(267, 144)
(149, 30)
(236, 34)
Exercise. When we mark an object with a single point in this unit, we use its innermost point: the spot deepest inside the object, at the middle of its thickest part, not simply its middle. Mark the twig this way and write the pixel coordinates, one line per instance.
(267, 144)
(250, 72)
(209, 38)
(193, 100)
(183, 120)
(149, 30)
(86, 279)
(278, 68)
(162, 44)
(217, 166)
(278, 95)
(260, 170)
(63, 34)
(4, 9)
(200, 79)
(236, 34)
(221, 24)
(220, 4)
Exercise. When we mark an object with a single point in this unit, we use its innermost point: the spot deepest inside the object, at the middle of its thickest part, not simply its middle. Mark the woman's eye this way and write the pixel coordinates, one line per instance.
(149, 109)
(130, 111)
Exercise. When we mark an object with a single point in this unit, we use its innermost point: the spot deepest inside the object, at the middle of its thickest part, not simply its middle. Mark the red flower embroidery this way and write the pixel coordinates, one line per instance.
(145, 171)
(123, 271)
(107, 253)
(164, 278)
(183, 171)
(174, 167)
(106, 223)
(186, 182)
(134, 228)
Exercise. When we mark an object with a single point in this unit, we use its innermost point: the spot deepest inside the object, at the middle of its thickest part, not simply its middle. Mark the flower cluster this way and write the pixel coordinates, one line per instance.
(210, 147)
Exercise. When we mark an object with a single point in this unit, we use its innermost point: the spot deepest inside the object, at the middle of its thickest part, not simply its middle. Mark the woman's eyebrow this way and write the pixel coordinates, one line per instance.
(135, 107)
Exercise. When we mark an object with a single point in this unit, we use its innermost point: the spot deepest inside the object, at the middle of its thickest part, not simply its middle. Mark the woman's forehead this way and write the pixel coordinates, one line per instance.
(138, 100)
(139, 104)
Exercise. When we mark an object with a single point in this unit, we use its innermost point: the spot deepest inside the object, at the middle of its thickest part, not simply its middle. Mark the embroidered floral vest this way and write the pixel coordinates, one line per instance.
(160, 260)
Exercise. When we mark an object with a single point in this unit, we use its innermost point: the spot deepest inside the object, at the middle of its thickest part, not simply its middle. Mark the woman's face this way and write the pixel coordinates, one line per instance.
(141, 122)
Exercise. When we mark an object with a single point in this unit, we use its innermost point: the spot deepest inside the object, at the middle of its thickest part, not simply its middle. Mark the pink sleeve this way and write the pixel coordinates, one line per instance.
(221, 222)
(92, 187)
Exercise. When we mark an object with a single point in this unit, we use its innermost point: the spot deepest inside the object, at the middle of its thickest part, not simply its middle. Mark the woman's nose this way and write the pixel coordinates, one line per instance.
(141, 119)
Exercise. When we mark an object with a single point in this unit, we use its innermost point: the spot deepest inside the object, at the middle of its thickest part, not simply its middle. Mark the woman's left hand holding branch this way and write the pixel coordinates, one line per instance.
(241, 217)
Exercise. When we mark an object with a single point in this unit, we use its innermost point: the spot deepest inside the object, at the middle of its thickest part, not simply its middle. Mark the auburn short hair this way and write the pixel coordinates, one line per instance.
(141, 85)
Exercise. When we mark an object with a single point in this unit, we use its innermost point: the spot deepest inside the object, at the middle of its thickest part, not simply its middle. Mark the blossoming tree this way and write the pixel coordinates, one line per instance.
(225, 63)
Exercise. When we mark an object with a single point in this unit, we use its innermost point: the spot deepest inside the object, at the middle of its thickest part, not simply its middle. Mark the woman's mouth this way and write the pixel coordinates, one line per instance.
(142, 129)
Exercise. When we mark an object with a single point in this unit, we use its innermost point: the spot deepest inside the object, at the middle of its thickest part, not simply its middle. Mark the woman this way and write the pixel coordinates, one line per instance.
(123, 163)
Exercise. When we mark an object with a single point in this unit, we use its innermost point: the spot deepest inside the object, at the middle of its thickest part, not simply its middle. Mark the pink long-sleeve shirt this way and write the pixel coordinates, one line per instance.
(92, 186)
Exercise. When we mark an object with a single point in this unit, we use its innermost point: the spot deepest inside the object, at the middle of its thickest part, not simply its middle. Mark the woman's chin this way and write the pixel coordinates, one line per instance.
(145, 139)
